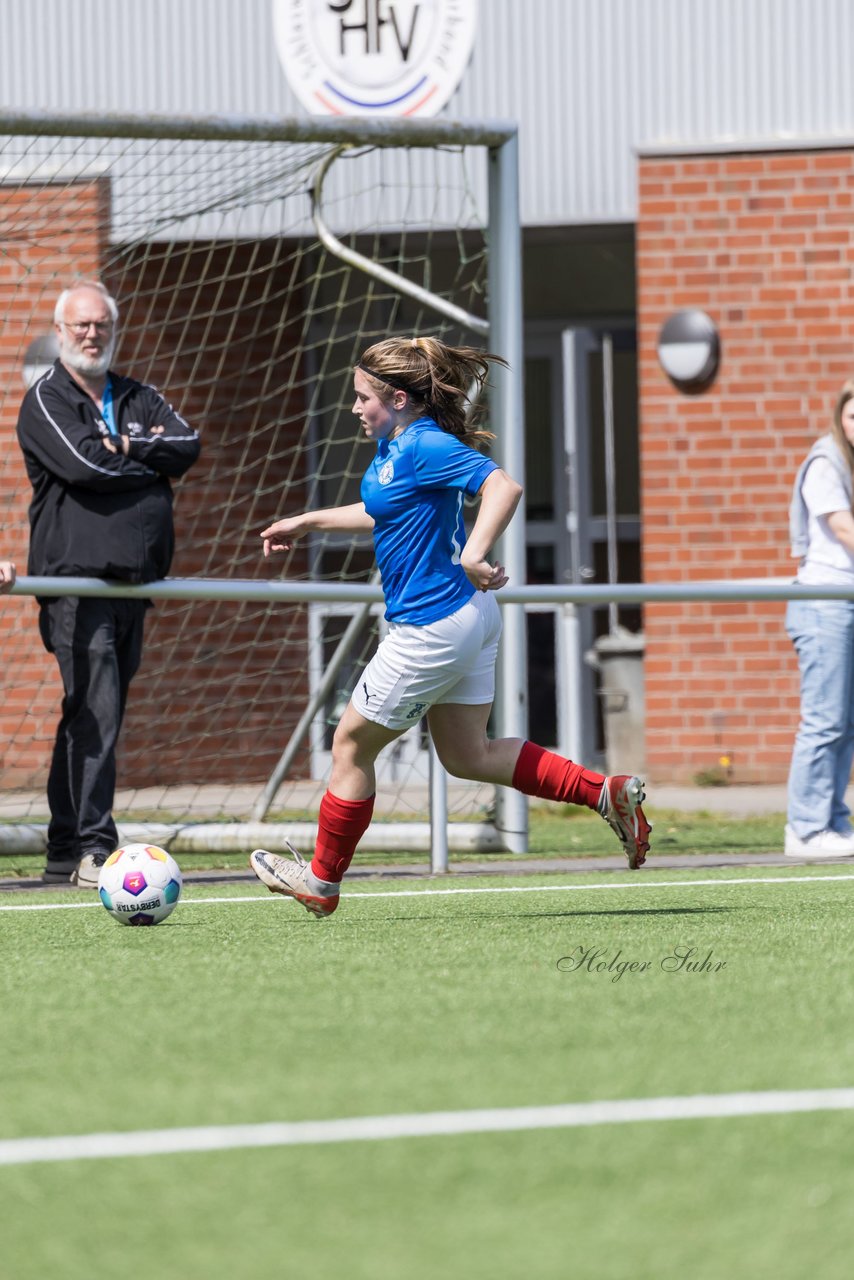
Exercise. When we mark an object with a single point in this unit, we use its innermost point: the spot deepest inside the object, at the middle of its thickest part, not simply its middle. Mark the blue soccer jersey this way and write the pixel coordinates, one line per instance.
(414, 491)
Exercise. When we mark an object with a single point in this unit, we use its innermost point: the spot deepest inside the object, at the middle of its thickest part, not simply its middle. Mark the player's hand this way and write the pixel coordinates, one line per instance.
(7, 576)
(483, 575)
(281, 535)
(112, 446)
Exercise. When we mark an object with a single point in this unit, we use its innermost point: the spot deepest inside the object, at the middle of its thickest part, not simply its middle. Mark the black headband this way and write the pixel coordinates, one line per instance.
(397, 383)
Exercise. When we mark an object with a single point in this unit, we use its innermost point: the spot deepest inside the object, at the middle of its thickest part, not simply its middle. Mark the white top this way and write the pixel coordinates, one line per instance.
(827, 562)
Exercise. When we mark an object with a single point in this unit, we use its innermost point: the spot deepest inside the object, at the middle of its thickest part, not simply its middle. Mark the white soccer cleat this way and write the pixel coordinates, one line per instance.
(288, 876)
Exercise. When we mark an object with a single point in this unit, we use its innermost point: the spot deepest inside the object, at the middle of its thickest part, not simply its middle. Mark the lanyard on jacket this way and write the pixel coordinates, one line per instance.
(107, 408)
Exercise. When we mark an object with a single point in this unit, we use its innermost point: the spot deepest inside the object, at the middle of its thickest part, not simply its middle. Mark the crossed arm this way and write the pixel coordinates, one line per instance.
(122, 443)
(57, 439)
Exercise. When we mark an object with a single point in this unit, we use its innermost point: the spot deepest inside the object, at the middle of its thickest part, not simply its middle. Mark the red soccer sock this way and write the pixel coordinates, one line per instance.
(340, 826)
(551, 777)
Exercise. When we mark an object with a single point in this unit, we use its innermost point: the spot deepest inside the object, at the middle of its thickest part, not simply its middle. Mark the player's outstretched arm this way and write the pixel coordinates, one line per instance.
(499, 498)
(282, 534)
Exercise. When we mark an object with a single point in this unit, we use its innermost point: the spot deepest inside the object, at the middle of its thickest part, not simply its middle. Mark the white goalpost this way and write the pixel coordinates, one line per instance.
(252, 261)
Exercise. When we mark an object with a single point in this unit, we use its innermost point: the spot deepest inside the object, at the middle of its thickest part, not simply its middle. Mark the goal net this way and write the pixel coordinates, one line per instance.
(234, 305)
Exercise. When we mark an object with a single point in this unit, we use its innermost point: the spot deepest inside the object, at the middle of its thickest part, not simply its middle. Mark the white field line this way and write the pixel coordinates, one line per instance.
(363, 896)
(158, 1142)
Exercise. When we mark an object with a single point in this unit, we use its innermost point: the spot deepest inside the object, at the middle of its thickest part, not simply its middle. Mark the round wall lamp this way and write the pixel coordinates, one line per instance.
(689, 350)
(38, 357)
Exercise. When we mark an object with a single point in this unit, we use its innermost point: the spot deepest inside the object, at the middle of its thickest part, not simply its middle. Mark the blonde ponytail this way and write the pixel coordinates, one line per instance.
(445, 382)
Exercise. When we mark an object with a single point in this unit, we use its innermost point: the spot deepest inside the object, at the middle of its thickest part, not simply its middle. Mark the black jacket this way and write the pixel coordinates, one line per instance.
(95, 513)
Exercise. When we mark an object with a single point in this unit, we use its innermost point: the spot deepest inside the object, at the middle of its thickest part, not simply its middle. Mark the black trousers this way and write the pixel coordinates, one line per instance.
(98, 646)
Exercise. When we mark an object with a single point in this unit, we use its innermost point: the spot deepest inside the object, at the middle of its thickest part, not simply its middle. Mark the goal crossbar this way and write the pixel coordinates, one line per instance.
(354, 130)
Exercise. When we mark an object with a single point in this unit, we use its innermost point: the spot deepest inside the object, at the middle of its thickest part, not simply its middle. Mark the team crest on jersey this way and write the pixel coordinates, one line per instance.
(386, 472)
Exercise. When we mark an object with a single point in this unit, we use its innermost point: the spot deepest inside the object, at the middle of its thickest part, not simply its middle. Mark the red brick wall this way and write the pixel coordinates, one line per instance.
(765, 244)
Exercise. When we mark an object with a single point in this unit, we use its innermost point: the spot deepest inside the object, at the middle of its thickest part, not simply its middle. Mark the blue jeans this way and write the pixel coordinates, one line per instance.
(822, 632)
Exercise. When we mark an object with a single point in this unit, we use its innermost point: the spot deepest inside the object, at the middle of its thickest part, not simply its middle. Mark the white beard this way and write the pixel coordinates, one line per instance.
(89, 366)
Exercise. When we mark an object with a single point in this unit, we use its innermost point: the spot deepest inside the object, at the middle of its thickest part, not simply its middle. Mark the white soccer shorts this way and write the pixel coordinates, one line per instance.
(415, 668)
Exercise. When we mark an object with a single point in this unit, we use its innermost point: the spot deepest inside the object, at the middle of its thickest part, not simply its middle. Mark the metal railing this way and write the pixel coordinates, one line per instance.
(530, 597)
(248, 589)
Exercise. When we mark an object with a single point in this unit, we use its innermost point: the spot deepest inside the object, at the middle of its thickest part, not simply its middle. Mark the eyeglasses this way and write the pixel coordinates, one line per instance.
(82, 327)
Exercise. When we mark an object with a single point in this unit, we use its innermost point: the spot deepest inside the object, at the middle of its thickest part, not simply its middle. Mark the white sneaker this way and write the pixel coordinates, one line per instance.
(88, 869)
(824, 844)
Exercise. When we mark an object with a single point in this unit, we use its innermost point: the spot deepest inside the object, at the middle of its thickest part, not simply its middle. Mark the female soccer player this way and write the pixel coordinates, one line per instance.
(438, 657)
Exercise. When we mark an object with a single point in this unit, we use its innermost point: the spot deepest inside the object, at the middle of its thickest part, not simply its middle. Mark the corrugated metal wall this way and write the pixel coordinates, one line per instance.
(588, 80)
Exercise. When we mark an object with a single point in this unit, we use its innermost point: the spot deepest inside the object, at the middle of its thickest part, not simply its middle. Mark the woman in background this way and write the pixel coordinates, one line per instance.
(822, 631)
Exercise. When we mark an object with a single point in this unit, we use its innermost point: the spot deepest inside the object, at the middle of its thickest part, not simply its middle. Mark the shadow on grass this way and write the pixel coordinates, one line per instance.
(558, 915)
(630, 911)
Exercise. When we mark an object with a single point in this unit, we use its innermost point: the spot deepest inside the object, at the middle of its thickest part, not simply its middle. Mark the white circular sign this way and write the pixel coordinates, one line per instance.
(374, 57)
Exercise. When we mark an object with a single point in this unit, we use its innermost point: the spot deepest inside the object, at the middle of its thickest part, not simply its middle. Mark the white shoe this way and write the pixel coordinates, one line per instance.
(88, 869)
(824, 844)
(288, 876)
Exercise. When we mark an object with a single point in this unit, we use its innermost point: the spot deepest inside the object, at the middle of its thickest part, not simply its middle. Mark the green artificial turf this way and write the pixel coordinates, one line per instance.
(247, 1010)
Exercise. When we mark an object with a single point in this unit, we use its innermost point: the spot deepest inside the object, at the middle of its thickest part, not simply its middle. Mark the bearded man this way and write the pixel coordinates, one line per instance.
(100, 450)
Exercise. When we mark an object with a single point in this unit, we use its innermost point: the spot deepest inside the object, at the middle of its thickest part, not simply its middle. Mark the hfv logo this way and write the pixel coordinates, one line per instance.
(376, 23)
(362, 57)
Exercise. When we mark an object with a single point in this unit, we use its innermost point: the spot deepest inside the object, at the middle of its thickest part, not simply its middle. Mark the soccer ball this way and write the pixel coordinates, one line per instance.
(140, 884)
